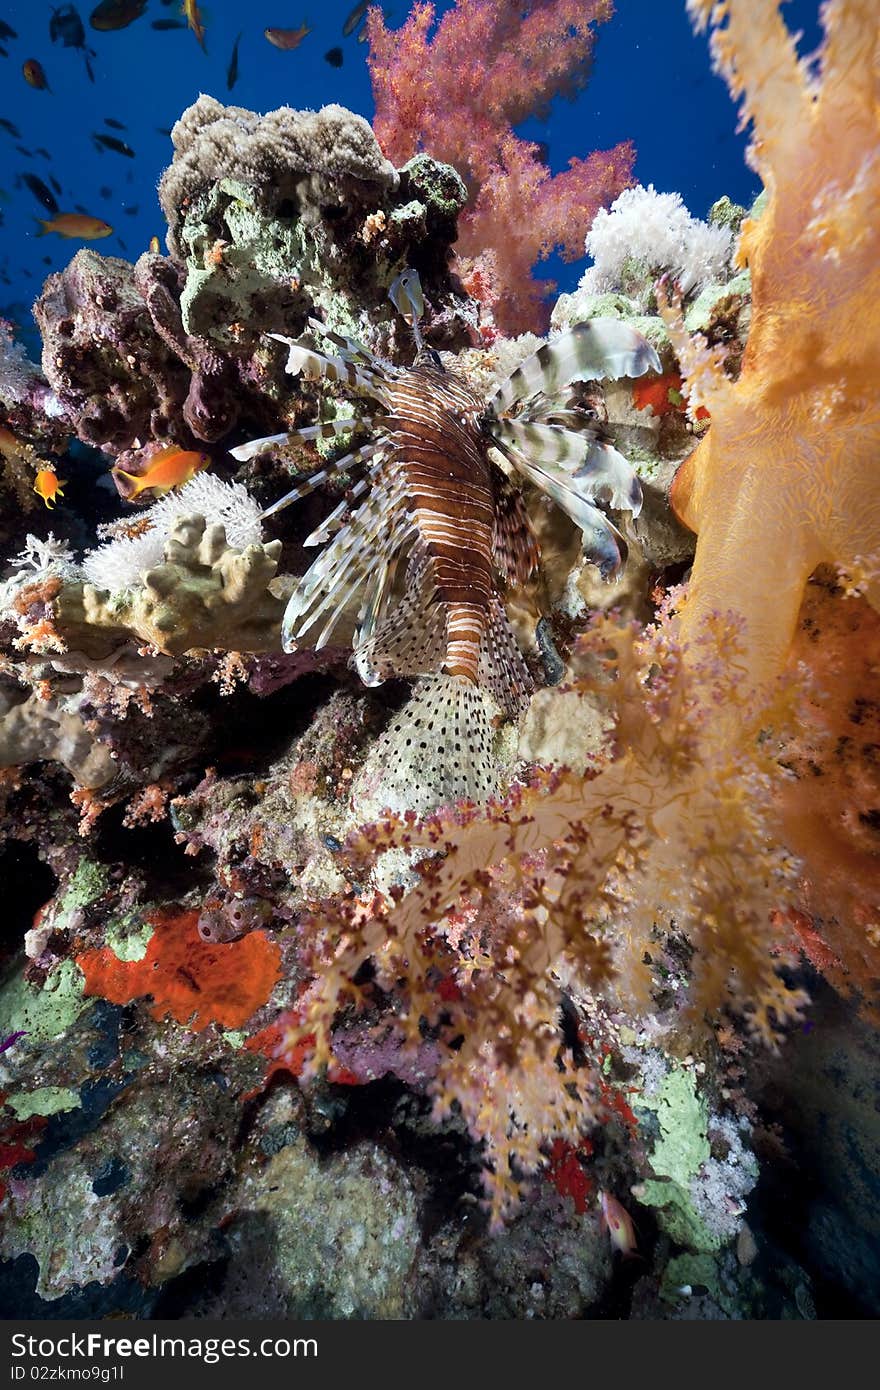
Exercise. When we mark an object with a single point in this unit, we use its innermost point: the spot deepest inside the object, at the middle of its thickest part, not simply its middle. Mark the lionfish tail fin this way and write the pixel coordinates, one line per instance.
(439, 748)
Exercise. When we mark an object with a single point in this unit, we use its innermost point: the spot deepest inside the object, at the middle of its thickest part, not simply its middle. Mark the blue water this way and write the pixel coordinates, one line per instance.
(651, 83)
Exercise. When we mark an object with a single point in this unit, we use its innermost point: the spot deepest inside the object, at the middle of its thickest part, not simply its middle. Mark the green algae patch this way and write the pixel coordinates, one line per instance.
(235, 1038)
(46, 1012)
(48, 1100)
(89, 882)
(677, 1157)
(129, 937)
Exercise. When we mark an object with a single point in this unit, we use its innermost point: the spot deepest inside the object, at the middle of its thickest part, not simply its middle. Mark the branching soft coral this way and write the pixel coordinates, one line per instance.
(456, 91)
(787, 476)
(575, 878)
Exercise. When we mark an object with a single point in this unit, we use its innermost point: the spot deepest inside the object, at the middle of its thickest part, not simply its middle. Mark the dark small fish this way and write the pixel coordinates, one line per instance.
(109, 142)
(34, 75)
(355, 18)
(47, 260)
(333, 56)
(28, 154)
(10, 129)
(55, 184)
(232, 70)
(114, 124)
(45, 153)
(132, 211)
(105, 192)
(164, 24)
(164, 130)
(12, 1039)
(542, 151)
(116, 14)
(67, 26)
(43, 195)
(4, 53)
(6, 32)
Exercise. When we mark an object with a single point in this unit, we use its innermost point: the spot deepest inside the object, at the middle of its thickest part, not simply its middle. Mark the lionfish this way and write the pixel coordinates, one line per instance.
(435, 525)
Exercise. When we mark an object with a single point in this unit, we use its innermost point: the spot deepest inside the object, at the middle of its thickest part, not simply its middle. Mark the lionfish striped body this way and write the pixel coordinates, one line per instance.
(436, 445)
(437, 511)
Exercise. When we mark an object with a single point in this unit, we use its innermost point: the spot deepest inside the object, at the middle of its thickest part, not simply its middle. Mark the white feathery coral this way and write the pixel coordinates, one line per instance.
(656, 231)
(120, 563)
(45, 557)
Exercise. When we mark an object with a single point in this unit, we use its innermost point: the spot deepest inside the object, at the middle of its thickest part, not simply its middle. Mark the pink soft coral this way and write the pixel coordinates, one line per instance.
(457, 93)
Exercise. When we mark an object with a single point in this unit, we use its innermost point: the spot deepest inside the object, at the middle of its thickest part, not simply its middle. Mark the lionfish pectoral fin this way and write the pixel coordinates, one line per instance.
(243, 453)
(340, 465)
(590, 351)
(603, 544)
(411, 639)
(609, 477)
(502, 669)
(316, 366)
(349, 348)
(515, 548)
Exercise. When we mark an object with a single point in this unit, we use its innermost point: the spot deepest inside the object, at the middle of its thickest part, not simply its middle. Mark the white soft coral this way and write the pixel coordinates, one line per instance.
(120, 563)
(654, 232)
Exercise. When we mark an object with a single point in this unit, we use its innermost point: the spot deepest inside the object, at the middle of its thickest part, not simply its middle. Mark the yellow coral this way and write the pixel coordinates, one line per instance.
(787, 476)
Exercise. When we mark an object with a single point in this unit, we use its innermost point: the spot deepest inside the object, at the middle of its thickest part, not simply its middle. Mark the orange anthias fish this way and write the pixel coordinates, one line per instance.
(34, 74)
(619, 1223)
(287, 38)
(76, 225)
(170, 467)
(194, 19)
(49, 486)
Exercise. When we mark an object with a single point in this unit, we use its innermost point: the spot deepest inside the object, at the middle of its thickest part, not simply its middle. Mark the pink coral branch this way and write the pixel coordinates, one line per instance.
(456, 88)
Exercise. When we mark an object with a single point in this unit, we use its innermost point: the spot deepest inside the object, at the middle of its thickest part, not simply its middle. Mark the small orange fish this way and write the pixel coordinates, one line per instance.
(619, 1223)
(76, 225)
(154, 245)
(170, 467)
(194, 19)
(49, 486)
(287, 38)
(34, 74)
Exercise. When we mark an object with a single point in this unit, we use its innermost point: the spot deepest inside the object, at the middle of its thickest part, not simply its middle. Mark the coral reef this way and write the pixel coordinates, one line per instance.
(285, 1050)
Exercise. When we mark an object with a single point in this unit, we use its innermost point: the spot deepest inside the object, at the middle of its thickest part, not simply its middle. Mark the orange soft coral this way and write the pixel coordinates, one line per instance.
(192, 981)
(787, 476)
(831, 807)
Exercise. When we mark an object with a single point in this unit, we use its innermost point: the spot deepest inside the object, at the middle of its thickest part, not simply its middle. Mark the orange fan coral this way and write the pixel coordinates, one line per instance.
(787, 476)
(192, 981)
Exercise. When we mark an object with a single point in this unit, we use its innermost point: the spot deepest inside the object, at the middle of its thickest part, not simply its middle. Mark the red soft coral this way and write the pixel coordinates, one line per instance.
(458, 91)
